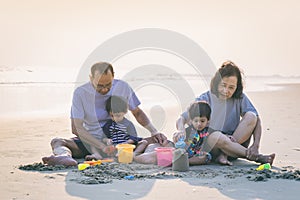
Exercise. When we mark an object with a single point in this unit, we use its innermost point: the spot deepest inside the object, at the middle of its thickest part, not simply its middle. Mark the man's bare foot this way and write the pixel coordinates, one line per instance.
(93, 157)
(265, 158)
(222, 159)
(59, 160)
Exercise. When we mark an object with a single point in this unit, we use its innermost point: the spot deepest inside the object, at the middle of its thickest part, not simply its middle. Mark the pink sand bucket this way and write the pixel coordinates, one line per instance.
(164, 156)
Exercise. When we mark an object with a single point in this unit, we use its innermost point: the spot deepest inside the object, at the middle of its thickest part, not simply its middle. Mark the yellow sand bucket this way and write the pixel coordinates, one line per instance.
(125, 153)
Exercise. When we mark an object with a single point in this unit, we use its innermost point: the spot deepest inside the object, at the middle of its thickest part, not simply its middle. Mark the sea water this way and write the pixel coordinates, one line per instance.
(162, 95)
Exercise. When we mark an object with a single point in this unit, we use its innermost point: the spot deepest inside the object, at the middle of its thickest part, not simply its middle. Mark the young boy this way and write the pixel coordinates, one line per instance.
(197, 132)
(119, 129)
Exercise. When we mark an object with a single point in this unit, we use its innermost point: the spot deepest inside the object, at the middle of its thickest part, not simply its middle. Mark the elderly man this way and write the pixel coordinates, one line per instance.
(88, 115)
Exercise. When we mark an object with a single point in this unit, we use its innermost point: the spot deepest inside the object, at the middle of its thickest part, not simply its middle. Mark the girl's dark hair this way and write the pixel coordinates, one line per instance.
(102, 68)
(116, 104)
(199, 109)
(227, 69)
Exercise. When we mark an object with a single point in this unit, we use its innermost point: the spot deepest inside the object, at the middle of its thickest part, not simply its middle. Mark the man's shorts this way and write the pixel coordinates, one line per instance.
(81, 146)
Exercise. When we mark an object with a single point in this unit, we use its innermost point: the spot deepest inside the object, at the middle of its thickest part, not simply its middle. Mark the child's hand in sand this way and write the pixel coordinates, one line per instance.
(177, 135)
(109, 150)
(109, 142)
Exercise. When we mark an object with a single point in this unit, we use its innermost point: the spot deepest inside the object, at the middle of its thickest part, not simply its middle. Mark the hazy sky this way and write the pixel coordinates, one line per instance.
(261, 36)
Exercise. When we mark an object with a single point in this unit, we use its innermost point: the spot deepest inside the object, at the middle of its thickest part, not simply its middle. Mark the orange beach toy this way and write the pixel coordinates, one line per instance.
(86, 164)
(97, 162)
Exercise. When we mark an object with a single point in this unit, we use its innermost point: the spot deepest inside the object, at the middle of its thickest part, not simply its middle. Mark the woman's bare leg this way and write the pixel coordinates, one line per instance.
(220, 141)
(245, 128)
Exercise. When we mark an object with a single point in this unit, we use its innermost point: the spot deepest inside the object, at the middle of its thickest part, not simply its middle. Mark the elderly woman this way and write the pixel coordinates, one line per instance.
(234, 119)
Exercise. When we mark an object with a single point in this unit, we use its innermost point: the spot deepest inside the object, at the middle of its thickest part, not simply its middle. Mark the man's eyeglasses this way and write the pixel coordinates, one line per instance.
(107, 86)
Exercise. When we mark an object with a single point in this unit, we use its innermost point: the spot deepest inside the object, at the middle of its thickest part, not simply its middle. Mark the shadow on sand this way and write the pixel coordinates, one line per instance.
(240, 181)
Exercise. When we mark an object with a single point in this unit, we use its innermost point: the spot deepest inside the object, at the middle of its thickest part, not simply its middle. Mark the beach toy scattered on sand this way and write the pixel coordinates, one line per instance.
(83, 166)
(263, 166)
(93, 162)
(88, 163)
(129, 177)
(125, 153)
(107, 160)
(97, 162)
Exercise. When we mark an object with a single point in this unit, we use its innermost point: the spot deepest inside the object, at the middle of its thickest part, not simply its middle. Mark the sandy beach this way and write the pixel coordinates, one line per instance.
(24, 140)
(167, 51)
